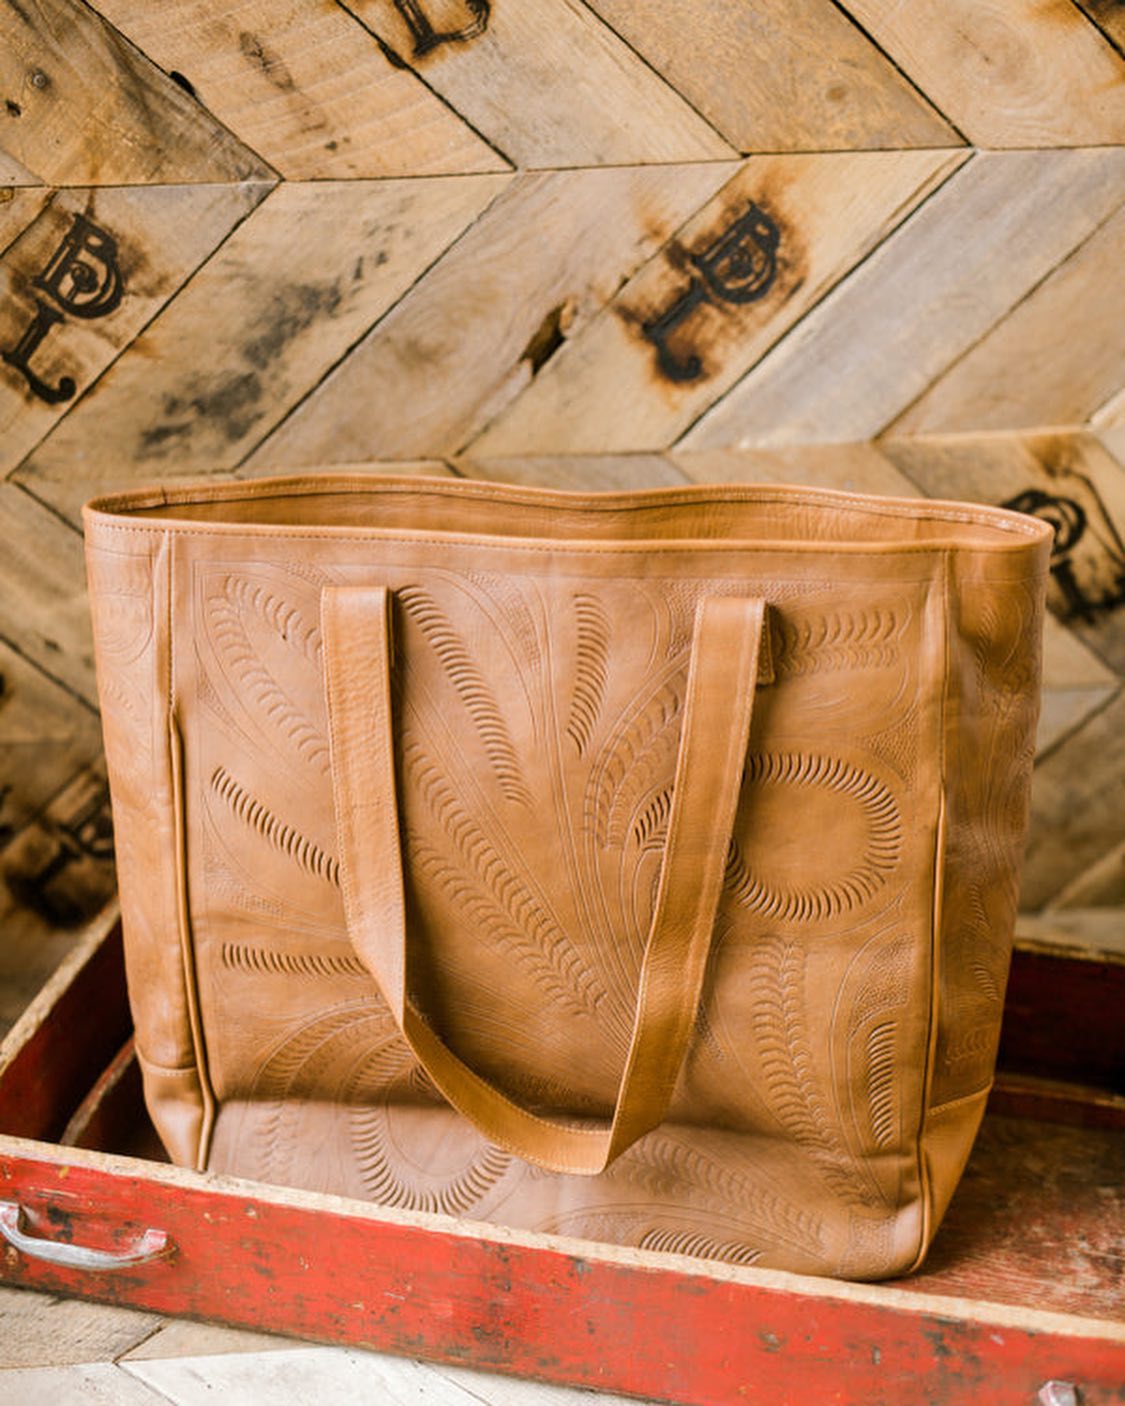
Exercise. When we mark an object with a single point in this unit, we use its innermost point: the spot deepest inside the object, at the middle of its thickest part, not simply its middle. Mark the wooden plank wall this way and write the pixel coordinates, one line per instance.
(594, 243)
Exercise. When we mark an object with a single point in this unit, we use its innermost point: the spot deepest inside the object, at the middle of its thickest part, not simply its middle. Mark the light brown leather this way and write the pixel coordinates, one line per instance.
(636, 866)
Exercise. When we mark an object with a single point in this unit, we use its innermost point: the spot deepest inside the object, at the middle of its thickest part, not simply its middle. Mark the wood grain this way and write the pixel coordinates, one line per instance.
(1008, 73)
(609, 388)
(1076, 813)
(530, 275)
(306, 86)
(1027, 1188)
(597, 1315)
(56, 875)
(179, 1337)
(1075, 684)
(42, 566)
(1109, 16)
(45, 739)
(92, 1383)
(1092, 902)
(548, 84)
(81, 106)
(162, 235)
(1076, 314)
(780, 75)
(19, 205)
(1109, 425)
(995, 229)
(13, 174)
(42, 1331)
(853, 468)
(282, 300)
(578, 472)
(334, 1376)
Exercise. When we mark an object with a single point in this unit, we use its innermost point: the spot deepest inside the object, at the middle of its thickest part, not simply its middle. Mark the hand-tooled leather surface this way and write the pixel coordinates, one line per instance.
(538, 696)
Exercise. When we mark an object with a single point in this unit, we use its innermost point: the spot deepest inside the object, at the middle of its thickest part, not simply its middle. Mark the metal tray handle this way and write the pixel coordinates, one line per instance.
(148, 1246)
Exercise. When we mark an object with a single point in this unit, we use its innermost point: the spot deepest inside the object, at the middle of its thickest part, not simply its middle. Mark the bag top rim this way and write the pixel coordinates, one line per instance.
(169, 507)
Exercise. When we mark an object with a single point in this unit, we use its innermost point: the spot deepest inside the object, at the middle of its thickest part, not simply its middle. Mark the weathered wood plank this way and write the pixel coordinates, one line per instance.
(1052, 361)
(1077, 818)
(425, 468)
(19, 205)
(92, 1383)
(46, 736)
(1109, 16)
(1090, 905)
(600, 1315)
(12, 173)
(1027, 1188)
(55, 876)
(547, 83)
(492, 314)
(140, 244)
(938, 284)
(306, 86)
(334, 1377)
(512, 1391)
(734, 279)
(38, 1330)
(1094, 933)
(179, 1337)
(1109, 425)
(1009, 73)
(262, 321)
(580, 472)
(1067, 478)
(1075, 684)
(83, 107)
(780, 75)
(69, 1031)
(44, 611)
(854, 468)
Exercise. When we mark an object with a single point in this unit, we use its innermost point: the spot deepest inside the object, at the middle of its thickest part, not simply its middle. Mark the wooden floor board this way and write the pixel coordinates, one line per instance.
(39, 1330)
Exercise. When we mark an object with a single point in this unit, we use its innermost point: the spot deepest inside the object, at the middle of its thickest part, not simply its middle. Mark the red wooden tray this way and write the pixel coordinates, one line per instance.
(1022, 1288)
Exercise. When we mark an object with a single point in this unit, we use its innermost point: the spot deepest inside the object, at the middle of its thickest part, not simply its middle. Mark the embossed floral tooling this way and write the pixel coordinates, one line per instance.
(637, 866)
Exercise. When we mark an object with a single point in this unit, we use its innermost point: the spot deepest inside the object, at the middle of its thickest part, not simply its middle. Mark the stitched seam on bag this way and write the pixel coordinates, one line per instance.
(183, 924)
(682, 545)
(296, 487)
(936, 912)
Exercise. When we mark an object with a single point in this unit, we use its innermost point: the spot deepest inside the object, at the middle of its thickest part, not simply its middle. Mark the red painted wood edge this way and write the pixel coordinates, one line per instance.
(107, 1117)
(1062, 1019)
(638, 1324)
(74, 1039)
(1052, 1101)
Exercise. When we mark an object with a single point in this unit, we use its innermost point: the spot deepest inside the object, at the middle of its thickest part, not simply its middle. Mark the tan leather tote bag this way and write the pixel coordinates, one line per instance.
(634, 866)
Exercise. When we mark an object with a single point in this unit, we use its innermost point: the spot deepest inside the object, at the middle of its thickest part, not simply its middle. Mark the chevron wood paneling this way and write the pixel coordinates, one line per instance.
(161, 234)
(307, 86)
(582, 243)
(263, 320)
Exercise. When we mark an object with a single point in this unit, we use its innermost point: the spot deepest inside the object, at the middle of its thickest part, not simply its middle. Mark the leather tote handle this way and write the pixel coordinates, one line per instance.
(722, 677)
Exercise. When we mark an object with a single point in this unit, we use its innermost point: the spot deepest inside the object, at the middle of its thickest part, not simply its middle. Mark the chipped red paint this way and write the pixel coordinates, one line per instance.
(266, 1261)
(52, 1071)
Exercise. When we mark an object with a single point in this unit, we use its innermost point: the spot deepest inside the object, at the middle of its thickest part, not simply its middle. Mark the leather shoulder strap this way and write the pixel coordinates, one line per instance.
(722, 678)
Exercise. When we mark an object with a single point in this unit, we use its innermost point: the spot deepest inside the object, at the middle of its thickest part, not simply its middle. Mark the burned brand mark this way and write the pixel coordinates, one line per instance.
(1088, 555)
(739, 266)
(83, 278)
(429, 35)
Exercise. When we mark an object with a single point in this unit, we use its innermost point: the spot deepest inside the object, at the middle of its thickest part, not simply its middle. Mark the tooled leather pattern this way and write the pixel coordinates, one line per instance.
(538, 718)
(560, 740)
